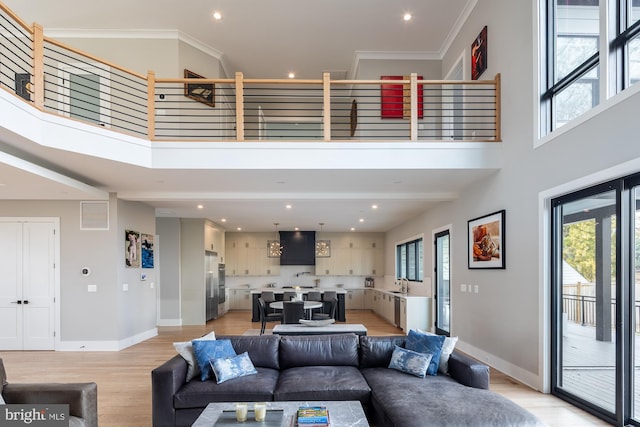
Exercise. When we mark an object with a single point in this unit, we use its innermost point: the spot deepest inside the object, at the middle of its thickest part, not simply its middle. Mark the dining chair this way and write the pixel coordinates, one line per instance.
(267, 317)
(292, 311)
(268, 297)
(315, 296)
(330, 313)
(288, 295)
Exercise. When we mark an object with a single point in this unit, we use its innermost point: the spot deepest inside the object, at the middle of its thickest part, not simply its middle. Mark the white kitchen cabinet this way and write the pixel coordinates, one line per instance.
(403, 314)
(247, 255)
(240, 299)
(352, 254)
(415, 314)
(354, 300)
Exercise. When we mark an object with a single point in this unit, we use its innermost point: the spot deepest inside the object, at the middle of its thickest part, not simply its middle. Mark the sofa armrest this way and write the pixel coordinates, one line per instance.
(468, 371)
(82, 398)
(166, 380)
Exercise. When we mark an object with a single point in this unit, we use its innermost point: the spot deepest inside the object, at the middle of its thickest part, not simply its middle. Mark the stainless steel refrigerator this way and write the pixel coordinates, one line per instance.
(212, 284)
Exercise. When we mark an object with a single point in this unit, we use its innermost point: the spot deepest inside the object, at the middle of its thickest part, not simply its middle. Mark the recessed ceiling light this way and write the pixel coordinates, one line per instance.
(200, 207)
(361, 220)
(239, 228)
(296, 228)
(292, 75)
(374, 206)
(288, 206)
(223, 220)
(407, 17)
(217, 15)
(353, 229)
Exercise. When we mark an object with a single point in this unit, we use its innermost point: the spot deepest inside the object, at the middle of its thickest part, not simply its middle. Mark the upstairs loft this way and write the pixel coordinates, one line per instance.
(65, 81)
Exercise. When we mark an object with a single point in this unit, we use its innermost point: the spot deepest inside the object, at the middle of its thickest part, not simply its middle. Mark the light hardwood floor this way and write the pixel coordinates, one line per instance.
(124, 377)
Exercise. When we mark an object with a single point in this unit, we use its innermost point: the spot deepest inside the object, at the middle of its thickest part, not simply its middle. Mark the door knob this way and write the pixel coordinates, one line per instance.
(25, 301)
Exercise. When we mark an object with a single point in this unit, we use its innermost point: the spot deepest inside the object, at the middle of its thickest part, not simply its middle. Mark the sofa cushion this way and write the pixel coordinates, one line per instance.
(375, 352)
(408, 401)
(322, 383)
(447, 348)
(263, 350)
(410, 362)
(257, 388)
(229, 368)
(206, 351)
(427, 344)
(185, 349)
(319, 350)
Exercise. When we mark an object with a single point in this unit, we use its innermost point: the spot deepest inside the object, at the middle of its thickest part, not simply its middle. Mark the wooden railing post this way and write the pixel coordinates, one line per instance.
(498, 108)
(239, 106)
(326, 119)
(38, 66)
(151, 105)
(413, 133)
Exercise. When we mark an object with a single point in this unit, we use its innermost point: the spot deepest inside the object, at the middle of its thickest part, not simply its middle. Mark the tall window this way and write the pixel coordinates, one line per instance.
(409, 258)
(572, 56)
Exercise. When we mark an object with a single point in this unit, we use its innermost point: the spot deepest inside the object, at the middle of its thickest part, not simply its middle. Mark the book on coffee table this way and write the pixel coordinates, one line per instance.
(313, 416)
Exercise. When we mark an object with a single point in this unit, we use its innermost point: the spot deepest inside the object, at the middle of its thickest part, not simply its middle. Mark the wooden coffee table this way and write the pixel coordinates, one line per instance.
(342, 413)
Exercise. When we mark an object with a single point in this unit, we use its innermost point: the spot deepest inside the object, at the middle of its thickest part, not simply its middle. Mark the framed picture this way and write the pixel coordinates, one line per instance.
(479, 54)
(486, 241)
(132, 249)
(146, 250)
(201, 92)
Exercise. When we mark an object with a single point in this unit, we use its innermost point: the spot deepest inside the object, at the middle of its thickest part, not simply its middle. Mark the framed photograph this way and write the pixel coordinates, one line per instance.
(479, 54)
(486, 241)
(201, 92)
(146, 250)
(132, 249)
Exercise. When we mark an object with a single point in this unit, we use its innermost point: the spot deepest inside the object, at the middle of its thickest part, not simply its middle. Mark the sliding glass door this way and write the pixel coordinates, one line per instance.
(595, 318)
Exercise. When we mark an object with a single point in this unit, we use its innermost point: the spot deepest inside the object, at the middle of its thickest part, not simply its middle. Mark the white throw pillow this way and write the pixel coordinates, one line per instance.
(185, 349)
(447, 348)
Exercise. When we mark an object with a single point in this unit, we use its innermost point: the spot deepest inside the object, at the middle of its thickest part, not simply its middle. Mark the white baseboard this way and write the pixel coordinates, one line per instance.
(106, 345)
(528, 378)
(169, 322)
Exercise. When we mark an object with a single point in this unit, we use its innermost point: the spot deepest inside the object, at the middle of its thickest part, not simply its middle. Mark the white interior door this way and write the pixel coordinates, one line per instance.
(11, 286)
(27, 289)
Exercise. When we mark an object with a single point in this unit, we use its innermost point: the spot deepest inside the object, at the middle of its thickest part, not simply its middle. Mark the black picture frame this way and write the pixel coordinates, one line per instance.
(486, 241)
(201, 92)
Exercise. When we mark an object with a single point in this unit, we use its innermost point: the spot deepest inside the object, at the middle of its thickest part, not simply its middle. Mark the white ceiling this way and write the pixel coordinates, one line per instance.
(264, 39)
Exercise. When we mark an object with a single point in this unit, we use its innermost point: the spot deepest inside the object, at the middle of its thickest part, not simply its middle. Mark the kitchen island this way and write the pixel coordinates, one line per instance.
(279, 296)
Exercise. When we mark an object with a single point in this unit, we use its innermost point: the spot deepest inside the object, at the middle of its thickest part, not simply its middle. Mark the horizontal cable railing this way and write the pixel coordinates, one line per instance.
(62, 80)
(581, 309)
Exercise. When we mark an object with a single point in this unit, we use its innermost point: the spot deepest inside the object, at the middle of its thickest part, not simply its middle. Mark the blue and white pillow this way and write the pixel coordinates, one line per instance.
(426, 344)
(232, 367)
(410, 362)
(447, 348)
(206, 350)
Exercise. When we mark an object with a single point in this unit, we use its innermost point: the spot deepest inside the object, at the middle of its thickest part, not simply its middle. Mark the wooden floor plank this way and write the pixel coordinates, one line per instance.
(124, 377)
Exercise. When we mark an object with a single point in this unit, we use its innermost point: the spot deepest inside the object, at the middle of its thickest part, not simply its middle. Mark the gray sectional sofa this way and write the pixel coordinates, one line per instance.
(340, 367)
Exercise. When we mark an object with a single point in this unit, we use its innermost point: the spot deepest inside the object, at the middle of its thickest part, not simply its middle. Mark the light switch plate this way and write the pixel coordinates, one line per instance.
(92, 288)
(125, 287)
(463, 287)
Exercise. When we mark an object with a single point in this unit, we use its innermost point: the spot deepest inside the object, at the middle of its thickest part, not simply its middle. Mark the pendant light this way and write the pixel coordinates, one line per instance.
(323, 247)
(274, 248)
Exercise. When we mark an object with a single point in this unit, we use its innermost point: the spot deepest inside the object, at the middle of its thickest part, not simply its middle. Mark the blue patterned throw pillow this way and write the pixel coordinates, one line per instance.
(206, 350)
(232, 367)
(426, 344)
(410, 362)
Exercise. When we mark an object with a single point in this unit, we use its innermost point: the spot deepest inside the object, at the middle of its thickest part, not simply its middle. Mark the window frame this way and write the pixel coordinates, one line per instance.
(417, 273)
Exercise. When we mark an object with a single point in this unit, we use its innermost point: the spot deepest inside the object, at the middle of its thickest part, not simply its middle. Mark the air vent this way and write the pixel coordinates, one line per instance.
(94, 215)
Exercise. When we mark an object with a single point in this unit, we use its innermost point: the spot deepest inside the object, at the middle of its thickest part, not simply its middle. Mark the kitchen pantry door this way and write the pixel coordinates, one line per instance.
(27, 284)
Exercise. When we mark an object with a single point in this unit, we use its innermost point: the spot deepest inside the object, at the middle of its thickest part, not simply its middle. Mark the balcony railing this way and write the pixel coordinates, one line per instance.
(62, 80)
(581, 309)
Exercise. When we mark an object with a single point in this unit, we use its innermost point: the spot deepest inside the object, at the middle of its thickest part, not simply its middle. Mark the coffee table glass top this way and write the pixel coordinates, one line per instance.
(342, 413)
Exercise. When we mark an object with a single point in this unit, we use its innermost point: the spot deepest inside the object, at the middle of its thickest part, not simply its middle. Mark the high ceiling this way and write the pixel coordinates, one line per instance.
(263, 39)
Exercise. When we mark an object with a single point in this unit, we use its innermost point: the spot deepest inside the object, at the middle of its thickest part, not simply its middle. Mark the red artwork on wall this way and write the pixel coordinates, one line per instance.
(395, 99)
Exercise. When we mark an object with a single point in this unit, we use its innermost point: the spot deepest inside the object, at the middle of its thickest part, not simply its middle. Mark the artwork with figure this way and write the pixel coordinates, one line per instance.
(146, 250)
(132, 248)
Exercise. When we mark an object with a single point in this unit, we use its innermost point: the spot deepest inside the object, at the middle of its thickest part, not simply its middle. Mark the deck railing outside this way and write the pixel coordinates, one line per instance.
(62, 80)
(581, 309)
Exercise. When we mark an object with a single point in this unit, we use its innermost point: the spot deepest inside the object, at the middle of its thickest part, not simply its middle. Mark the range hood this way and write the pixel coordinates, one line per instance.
(298, 247)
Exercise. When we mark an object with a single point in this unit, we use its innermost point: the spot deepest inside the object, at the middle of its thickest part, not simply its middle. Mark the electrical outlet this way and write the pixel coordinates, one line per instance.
(92, 288)
(125, 287)
(476, 288)
(463, 287)
(151, 285)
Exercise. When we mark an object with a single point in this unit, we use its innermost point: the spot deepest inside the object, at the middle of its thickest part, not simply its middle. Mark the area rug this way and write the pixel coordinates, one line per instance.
(256, 332)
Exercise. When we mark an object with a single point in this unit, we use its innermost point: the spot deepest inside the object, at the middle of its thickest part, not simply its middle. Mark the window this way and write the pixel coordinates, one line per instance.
(571, 58)
(409, 258)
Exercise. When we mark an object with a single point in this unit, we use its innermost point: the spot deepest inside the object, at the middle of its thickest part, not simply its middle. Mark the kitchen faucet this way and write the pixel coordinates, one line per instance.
(404, 285)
